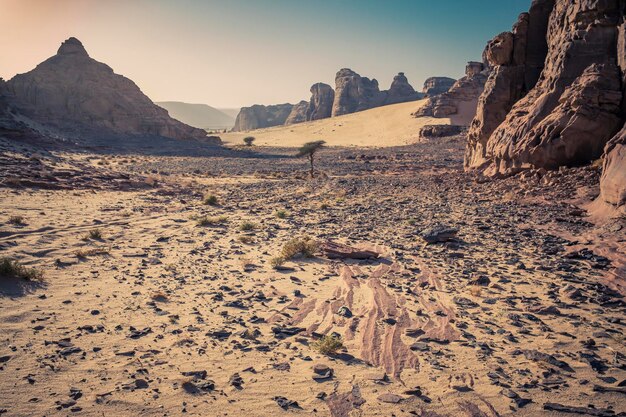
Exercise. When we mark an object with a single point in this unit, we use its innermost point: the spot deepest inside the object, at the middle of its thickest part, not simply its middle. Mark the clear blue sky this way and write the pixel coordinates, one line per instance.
(232, 53)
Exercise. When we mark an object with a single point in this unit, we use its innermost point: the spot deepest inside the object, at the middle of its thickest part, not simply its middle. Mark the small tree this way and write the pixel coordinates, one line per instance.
(248, 140)
(309, 150)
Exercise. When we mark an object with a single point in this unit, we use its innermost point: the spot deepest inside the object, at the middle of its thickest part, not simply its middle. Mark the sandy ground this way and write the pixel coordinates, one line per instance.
(165, 317)
(379, 127)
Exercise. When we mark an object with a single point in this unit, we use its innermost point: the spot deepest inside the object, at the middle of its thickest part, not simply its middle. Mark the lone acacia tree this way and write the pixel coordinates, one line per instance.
(309, 150)
(248, 140)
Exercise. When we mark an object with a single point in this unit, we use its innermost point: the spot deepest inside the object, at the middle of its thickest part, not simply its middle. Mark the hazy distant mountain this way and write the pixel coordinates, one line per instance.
(198, 115)
(233, 112)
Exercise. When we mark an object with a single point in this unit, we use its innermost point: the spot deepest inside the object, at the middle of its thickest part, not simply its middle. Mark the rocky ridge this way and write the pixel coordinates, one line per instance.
(466, 89)
(73, 95)
(437, 85)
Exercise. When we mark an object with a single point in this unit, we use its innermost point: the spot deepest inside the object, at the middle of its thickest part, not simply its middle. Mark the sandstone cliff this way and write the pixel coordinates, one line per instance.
(259, 116)
(568, 114)
(321, 103)
(437, 85)
(355, 93)
(466, 89)
(298, 113)
(400, 91)
(80, 97)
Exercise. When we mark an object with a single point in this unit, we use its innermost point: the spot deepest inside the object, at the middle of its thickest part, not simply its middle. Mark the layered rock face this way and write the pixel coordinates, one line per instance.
(465, 89)
(613, 181)
(259, 116)
(298, 113)
(355, 93)
(400, 91)
(78, 96)
(321, 103)
(437, 85)
(565, 116)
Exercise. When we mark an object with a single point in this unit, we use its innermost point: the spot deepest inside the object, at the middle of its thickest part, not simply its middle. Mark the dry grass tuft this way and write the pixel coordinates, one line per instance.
(299, 247)
(246, 239)
(10, 268)
(95, 234)
(210, 200)
(17, 220)
(248, 226)
(205, 221)
(84, 253)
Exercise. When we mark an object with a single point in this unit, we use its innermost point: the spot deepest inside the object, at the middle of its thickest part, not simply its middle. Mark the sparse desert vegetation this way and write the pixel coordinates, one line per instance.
(11, 268)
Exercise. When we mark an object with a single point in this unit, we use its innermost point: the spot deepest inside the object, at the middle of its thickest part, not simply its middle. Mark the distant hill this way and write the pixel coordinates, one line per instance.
(233, 112)
(198, 115)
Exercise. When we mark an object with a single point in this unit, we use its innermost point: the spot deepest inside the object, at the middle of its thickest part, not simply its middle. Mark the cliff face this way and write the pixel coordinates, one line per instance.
(355, 93)
(79, 96)
(259, 116)
(437, 85)
(569, 113)
(466, 89)
(321, 103)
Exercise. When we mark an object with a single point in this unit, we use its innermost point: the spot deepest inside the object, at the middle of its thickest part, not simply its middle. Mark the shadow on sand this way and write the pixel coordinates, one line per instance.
(16, 287)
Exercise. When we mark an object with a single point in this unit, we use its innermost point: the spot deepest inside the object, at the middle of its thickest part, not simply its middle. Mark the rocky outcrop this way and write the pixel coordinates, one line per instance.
(437, 85)
(77, 96)
(613, 181)
(259, 116)
(298, 113)
(565, 116)
(400, 91)
(355, 93)
(466, 89)
(440, 131)
(515, 66)
(321, 103)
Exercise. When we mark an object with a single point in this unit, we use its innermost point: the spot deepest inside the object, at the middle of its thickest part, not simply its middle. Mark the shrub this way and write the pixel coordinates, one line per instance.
(94, 234)
(247, 226)
(246, 239)
(211, 221)
(83, 253)
(299, 246)
(17, 220)
(248, 140)
(13, 269)
(281, 214)
(328, 345)
(277, 261)
(210, 200)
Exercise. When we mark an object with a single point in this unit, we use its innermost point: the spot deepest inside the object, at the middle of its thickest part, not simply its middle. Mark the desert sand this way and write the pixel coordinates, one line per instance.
(156, 315)
(385, 126)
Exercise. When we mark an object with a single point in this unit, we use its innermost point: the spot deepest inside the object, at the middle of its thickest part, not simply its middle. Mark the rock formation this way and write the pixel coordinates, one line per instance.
(613, 181)
(355, 93)
(466, 89)
(437, 85)
(298, 113)
(565, 116)
(321, 103)
(75, 95)
(400, 91)
(259, 116)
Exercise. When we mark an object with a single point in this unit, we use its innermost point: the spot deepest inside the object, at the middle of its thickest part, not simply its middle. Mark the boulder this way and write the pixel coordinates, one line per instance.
(437, 85)
(259, 116)
(499, 50)
(298, 113)
(613, 181)
(321, 103)
(77, 96)
(355, 93)
(439, 131)
(401, 91)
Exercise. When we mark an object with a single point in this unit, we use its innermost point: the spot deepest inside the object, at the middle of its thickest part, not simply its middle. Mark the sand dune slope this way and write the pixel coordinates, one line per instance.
(380, 127)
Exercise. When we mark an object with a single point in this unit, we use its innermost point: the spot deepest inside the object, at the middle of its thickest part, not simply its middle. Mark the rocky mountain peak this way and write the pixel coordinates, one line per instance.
(72, 46)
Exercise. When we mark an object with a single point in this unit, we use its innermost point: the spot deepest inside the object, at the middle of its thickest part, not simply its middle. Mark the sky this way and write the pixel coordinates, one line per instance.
(233, 53)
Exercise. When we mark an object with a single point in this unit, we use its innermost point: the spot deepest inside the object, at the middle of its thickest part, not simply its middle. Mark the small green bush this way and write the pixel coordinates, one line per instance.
(328, 345)
(281, 214)
(17, 220)
(247, 226)
(211, 221)
(210, 200)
